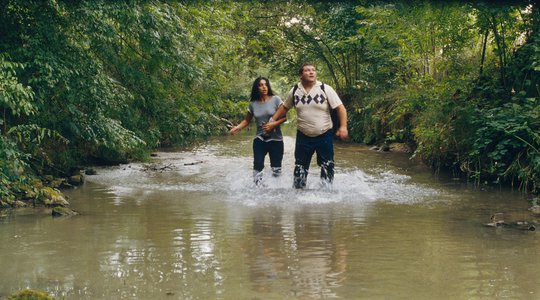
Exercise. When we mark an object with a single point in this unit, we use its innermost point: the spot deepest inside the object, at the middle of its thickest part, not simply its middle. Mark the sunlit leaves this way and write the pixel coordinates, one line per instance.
(14, 95)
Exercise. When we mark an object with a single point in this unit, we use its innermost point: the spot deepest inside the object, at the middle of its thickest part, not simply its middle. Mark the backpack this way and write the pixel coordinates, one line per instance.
(333, 111)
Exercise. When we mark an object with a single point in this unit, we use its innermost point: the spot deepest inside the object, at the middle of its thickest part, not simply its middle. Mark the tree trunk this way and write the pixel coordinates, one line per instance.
(433, 52)
(484, 46)
(499, 47)
(504, 55)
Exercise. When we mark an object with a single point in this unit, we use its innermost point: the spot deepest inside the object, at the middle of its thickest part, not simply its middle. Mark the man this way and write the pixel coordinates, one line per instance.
(314, 103)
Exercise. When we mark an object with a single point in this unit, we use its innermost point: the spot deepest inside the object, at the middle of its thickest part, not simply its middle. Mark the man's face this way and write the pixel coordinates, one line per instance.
(309, 74)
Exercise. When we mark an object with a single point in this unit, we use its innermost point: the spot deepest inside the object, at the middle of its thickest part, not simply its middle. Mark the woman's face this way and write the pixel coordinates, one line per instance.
(263, 88)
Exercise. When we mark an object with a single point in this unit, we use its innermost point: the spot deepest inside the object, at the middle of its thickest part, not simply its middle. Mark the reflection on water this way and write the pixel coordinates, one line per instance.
(199, 229)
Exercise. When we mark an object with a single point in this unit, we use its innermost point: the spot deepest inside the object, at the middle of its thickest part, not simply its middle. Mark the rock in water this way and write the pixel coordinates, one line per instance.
(60, 211)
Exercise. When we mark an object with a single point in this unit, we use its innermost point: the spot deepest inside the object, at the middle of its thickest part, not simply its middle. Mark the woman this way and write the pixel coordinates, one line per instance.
(263, 104)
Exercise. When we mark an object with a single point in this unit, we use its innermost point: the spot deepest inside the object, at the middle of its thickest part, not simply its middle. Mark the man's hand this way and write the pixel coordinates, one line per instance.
(268, 127)
(343, 133)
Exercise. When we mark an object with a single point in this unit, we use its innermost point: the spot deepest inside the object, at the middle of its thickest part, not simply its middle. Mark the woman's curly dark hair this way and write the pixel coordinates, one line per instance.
(255, 88)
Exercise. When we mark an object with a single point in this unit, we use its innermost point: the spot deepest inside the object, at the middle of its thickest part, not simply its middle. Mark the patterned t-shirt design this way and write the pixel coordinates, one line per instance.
(319, 99)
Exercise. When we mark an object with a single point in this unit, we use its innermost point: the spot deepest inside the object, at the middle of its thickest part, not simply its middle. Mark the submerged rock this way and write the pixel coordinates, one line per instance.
(392, 147)
(535, 209)
(381, 148)
(76, 179)
(400, 147)
(57, 182)
(521, 225)
(60, 211)
(30, 295)
(19, 203)
(514, 220)
(384, 148)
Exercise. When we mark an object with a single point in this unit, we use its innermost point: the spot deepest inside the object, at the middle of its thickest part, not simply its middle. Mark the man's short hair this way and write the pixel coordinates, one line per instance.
(301, 70)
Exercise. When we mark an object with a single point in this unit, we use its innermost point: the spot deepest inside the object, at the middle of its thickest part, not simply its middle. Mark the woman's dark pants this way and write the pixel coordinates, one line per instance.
(274, 149)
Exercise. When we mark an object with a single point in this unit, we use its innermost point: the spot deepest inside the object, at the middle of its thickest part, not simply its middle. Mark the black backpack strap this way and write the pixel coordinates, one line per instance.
(333, 111)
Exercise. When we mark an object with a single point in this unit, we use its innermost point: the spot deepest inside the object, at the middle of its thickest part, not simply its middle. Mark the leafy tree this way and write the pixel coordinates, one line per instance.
(101, 81)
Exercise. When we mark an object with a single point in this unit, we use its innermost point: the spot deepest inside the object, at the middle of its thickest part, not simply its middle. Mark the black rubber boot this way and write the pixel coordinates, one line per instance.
(327, 171)
(300, 176)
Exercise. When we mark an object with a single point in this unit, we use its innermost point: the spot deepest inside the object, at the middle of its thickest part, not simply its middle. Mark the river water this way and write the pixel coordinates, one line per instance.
(191, 225)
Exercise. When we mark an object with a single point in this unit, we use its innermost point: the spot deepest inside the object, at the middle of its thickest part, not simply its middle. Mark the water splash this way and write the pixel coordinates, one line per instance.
(230, 179)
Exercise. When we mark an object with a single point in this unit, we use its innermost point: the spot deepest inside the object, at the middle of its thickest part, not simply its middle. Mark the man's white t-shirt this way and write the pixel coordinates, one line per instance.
(313, 108)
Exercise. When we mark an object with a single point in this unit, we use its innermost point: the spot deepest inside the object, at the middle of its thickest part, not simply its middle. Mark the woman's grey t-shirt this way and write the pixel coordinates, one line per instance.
(262, 113)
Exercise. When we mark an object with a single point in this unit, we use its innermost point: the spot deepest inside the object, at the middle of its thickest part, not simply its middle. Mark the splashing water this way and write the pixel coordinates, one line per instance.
(230, 178)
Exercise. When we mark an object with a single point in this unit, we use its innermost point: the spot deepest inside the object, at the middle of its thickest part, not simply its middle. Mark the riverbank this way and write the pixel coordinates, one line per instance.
(45, 191)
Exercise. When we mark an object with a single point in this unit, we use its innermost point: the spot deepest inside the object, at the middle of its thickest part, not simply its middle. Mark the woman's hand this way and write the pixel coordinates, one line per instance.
(234, 130)
(244, 123)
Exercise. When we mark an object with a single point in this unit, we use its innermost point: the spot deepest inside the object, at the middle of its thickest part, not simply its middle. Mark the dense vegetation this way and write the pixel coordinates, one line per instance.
(84, 82)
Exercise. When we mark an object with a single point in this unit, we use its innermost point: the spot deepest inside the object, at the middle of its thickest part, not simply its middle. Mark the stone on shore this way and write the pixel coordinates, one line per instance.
(52, 197)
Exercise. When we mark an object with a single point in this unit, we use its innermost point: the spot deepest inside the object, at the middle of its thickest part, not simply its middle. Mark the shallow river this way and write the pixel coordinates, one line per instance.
(191, 225)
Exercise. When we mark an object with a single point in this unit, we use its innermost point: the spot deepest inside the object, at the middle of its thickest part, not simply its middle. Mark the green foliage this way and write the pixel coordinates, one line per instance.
(150, 49)
(105, 81)
(507, 142)
(13, 164)
(116, 77)
(15, 101)
(443, 127)
(14, 96)
(436, 102)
